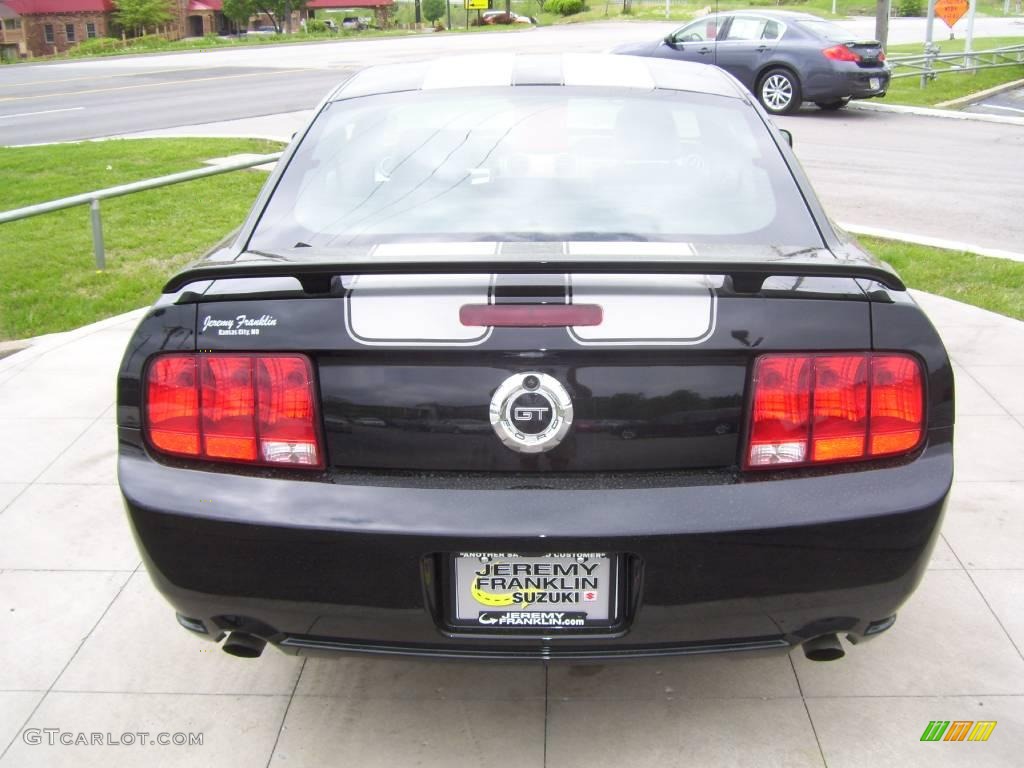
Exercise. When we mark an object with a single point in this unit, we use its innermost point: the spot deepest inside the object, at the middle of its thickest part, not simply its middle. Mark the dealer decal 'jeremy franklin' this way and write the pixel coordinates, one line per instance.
(238, 322)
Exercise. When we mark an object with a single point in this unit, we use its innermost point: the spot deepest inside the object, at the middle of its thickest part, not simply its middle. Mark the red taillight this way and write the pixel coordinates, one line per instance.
(840, 407)
(840, 53)
(228, 405)
(881, 55)
(781, 411)
(530, 315)
(172, 405)
(897, 407)
(257, 409)
(815, 409)
(287, 411)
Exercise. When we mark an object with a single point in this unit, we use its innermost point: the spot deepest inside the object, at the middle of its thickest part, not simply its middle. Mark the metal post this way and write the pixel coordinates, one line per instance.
(969, 42)
(928, 50)
(668, 8)
(97, 234)
(882, 10)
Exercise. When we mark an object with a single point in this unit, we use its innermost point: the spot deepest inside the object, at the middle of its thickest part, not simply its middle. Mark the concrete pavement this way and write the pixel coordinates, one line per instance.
(89, 646)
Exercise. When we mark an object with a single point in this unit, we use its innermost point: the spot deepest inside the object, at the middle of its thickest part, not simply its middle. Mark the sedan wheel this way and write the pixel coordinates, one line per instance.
(779, 92)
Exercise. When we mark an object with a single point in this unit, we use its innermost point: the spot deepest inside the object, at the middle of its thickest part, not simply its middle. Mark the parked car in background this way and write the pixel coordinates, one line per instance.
(353, 23)
(783, 58)
(265, 29)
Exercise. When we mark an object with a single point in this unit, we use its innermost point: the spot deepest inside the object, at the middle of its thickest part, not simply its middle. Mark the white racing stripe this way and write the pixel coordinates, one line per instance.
(487, 70)
(608, 71)
(628, 248)
(660, 310)
(419, 251)
(414, 310)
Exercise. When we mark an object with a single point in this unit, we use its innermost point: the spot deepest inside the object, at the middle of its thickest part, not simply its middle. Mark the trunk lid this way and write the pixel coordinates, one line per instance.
(870, 52)
(660, 384)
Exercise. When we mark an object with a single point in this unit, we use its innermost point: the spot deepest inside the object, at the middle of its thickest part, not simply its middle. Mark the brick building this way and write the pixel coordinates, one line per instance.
(44, 27)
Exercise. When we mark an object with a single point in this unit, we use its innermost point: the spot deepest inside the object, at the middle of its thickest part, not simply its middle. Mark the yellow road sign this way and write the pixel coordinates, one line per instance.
(476, 5)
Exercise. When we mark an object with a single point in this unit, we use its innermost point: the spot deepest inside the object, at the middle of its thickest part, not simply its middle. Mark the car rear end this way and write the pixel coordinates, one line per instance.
(840, 65)
(546, 447)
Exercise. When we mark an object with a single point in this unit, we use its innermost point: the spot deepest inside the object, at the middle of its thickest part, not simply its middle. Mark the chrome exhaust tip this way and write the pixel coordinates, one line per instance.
(824, 648)
(244, 646)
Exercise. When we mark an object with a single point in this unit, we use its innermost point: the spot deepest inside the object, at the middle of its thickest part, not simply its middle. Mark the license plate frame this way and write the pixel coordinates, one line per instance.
(471, 616)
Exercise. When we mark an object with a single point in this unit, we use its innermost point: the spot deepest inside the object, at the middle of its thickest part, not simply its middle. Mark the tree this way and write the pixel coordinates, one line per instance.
(433, 9)
(140, 15)
(241, 11)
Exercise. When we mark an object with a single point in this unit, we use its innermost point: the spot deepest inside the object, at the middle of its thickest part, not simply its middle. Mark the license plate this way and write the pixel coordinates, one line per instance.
(874, 83)
(534, 593)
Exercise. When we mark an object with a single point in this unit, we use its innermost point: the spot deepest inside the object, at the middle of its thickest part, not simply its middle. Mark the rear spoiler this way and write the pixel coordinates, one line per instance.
(316, 276)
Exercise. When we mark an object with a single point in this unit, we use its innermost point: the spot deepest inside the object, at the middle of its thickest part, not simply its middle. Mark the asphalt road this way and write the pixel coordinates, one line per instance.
(1009, 103)
(101, 97)
(941, 178)
(956, 179)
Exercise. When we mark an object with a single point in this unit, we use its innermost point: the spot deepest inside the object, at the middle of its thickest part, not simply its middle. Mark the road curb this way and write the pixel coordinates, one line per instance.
(930, 112)
(980, 95)
(931, 242)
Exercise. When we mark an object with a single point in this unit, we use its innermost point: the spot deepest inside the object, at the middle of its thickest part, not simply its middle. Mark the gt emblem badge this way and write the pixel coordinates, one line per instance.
(531, 412)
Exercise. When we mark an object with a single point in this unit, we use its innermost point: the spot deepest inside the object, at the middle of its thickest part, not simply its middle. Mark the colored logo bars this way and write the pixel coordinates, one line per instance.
(958, 730)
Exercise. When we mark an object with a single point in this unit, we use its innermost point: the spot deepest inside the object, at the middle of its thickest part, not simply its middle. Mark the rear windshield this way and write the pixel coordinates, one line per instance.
(536, 163)
(827, 30)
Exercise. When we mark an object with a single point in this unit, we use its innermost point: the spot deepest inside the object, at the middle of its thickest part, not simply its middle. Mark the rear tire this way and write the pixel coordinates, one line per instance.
(779, 92)
(832, 106)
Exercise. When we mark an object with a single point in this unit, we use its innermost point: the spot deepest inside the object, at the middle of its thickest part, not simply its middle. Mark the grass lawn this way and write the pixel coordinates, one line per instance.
(947, 86)
(48, 281)
(994, 284)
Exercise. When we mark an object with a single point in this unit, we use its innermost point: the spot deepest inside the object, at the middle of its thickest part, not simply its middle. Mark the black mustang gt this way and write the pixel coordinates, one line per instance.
(536, 357)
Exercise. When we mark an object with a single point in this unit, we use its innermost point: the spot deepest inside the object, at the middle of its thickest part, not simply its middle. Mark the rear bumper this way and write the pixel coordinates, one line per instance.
(847, 80)
(714, 566)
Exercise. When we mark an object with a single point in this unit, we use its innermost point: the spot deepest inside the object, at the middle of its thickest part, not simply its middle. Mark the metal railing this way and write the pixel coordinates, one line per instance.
(932, 62)
(92, 199)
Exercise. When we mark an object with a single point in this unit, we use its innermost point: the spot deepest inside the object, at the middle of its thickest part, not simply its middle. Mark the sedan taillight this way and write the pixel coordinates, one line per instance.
(253, 409)
(840, 53)
(824, 408)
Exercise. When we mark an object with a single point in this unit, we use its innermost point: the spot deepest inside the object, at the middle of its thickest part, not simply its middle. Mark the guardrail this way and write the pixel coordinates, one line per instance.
(932, 62)
(92, 199)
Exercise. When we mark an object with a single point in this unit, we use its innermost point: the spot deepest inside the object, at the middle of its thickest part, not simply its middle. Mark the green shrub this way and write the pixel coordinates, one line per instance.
(910, 8)
(96, 45)
(564, 7)
(316, 25)
(433, 9)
